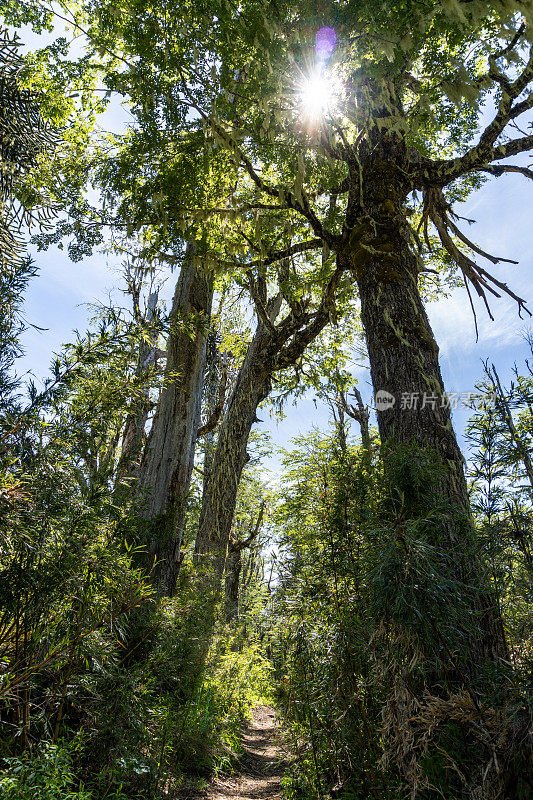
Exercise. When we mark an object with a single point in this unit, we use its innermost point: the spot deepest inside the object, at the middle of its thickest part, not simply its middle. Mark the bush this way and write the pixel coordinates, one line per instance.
(45, 775)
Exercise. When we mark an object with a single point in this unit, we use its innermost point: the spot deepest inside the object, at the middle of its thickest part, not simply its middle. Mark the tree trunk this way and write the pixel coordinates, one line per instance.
(405, 372)
(218, 506)
(233, 576)
(211, 392)
(236, 547)
(168, 459)
(404, 363)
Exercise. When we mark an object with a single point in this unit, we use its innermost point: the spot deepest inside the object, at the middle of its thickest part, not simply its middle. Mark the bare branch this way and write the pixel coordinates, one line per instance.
(437, 209)
(276, 255)
(499, 169)
(359, 413)
(493, 259)
(512, 148)
(236, 546)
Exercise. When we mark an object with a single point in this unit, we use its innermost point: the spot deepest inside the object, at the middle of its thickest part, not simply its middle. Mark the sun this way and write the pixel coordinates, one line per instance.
(317, 96)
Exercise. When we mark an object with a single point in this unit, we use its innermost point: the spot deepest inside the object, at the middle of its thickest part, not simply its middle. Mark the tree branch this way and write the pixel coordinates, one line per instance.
(360, 414)
(289, 354)
(212, 422)
(499, 169)
(437, 209)
(237, 546)
(258, 295)
(441, 172)
(283, 195)
(276, 255)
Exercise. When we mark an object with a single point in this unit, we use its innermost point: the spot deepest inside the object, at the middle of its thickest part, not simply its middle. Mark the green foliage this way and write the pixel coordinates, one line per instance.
(324, 627)
(25, 139)
(46, 775)
(371, 607)
(207, 732)
(13, 282)
(499, 434)
(374, 614)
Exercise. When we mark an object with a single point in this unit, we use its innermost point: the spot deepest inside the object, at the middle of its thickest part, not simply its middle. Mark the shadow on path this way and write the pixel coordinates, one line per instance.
(261, 766)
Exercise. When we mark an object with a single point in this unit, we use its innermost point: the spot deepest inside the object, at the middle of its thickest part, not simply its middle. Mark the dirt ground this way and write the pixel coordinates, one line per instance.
(261, 765)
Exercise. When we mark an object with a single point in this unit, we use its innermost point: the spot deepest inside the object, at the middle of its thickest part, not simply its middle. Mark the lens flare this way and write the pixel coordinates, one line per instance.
(325, 41)
(316, 96)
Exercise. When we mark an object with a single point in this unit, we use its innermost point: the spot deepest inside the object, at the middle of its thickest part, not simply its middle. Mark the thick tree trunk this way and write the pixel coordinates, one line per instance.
(404, 364)
(405, 372)
(167, 464)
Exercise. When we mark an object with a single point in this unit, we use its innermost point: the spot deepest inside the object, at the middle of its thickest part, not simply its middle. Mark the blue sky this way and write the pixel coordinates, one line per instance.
(57, 301)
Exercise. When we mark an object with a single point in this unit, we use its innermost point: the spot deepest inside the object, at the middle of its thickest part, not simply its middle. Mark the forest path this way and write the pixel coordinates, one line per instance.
(261, 765)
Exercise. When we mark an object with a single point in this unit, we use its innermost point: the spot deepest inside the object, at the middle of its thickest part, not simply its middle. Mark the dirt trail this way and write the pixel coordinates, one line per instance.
(261, 765)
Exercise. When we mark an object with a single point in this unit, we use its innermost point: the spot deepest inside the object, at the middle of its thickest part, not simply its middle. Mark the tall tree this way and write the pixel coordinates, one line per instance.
(276, 345)
(166, 468)
(375, 145)
(333, 130)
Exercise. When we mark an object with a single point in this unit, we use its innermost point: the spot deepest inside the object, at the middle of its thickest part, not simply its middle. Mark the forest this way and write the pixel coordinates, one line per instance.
(282, 198)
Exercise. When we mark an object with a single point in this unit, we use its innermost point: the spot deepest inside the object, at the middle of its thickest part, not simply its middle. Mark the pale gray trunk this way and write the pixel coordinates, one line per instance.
(167, 463)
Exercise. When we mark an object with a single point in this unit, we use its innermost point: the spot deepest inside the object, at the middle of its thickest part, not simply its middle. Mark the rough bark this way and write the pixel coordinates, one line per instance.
(404, 363)
(274, 347)
(167, 463)
(218, 506)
